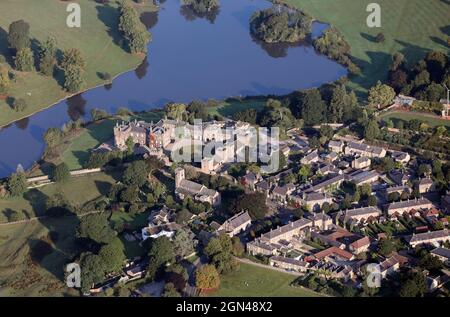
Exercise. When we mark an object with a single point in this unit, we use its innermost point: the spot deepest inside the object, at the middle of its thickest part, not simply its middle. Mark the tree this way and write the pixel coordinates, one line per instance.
(73, 79)
(183, 242)
(17, 184)
(134, 31)
(183, 216)
(386, 247)
(423, 170)
(170, 291)
(272, 26)
(254, 203)
(207, 278)
(113, 256)
(381, 95)
(47, 58)
(161, 252)
(219, 251)
(61, 173)
(135, 174)
(24, 60)
(92, 270)
(73, 58)
(371, 130)
(96, 228)
(175, 110)
(238, 247)
(130, 194)
(5, 82)
(52, 137)
(372, 200)
(19, 105)
(19, 35)
(413, 284)
(313, 108)
(100, 114)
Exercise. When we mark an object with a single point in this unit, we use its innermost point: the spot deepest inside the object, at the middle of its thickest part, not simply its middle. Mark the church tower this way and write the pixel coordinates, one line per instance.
(179, 176)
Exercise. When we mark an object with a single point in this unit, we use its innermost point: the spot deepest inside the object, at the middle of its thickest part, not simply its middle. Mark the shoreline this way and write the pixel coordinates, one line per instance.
(2, 126)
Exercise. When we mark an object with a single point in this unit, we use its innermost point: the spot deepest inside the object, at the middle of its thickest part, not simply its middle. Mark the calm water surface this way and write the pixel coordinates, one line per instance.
(190, 57)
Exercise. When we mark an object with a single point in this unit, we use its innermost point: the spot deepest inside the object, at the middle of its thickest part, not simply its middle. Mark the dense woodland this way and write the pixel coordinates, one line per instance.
(280, 24)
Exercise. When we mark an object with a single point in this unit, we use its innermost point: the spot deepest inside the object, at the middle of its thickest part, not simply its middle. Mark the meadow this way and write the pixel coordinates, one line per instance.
(412, 27)
(98, 39)
(254, 281)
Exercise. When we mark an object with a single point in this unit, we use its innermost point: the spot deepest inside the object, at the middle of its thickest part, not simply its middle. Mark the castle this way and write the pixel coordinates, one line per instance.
(160, 137)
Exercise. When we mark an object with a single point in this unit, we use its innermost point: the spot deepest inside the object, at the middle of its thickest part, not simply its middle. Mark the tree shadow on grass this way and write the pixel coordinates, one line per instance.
(103, 187)
(4, 50)
(58, 247)
(37, 200)
(370, 38)
(110, 18)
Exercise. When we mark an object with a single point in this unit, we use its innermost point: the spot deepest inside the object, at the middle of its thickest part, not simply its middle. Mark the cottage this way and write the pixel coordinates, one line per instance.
(434, 237)
(336, 146)
(359, 214)
(405, 206)
(327, 185)
(331, 253)
(361, 162)
(401, 157)
(288, 264)
(360, 245)
(442, 254)
(360, 148)
(425, 185)
(286, 232)
(263, 187)
(311, 157)
(236, 224)
(314, 201)
(365, 177)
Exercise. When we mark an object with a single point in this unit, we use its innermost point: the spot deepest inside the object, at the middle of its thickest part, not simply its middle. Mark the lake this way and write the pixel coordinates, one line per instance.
(190, 57)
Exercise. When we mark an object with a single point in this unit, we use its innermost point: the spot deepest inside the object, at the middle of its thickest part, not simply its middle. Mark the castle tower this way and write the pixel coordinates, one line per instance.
(179, 176)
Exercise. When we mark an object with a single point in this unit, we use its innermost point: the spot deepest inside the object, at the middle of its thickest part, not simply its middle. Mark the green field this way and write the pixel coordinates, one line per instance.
(411, 27)
(97, 39)
(78, 191)
(432, 121)
(33, 255)
(230, 107)
(253, 281)
(77, 153)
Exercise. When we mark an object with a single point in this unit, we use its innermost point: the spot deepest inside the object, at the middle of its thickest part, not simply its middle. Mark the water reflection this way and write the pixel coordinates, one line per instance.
(141, 71)
(76, 107)
(191, 15)
(23, 123)
(149, 19)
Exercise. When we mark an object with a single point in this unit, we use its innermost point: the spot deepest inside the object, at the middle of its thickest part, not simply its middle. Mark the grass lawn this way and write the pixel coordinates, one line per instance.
(408, 116)
(33, 255)
(97, 39)
(78, 191)
(230, 107)
(77, 153)
(411, 27)
(253, 281)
